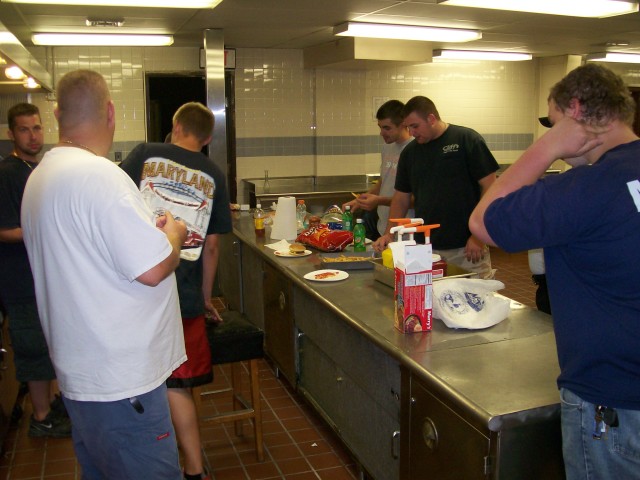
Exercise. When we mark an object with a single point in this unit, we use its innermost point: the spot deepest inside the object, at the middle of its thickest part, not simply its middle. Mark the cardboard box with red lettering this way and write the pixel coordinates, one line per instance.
(413, 288)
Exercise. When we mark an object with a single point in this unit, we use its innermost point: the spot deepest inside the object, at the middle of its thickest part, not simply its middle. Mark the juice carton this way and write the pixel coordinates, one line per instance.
(413, 280)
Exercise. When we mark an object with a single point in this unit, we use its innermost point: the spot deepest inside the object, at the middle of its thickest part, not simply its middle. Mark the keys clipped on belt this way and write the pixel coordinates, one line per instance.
(605, 417)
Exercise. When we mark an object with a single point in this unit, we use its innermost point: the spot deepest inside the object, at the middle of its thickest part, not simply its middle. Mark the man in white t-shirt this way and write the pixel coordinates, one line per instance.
(396, 136)
(103, 270)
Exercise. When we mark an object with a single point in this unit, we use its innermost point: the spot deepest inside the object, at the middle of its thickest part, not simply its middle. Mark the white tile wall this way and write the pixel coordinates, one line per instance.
(124, 69)
(277, 97)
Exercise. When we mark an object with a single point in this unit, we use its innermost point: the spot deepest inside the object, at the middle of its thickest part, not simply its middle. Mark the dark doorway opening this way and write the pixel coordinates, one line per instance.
(635, 93)
(166, 92)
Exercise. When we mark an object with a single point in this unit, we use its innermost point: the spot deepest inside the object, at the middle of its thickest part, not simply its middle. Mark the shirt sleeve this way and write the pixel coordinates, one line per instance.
(403, 176)
(221, 215)
(126, 233)
(483, 162)
(132, 165)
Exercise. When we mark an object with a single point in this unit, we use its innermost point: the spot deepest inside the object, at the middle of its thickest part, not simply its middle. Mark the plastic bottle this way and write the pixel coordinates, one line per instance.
(359, 238)
(387, 258)
(347, 219)
(258, 220)
(301, 215)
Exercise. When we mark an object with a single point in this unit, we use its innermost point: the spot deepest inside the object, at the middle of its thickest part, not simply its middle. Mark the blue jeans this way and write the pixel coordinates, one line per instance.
(112, 440)
(616, 456)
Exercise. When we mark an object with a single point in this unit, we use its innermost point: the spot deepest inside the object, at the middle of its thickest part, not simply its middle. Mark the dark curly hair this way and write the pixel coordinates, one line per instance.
(602, 94)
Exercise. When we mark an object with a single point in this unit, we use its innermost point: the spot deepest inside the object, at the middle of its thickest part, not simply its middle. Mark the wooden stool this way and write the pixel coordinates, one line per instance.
(233, 341)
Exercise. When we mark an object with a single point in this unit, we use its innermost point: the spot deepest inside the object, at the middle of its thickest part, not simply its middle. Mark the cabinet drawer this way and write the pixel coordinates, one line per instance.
(366, 430)
(252, 287)
(279, 329)
(439, 444)
(372, 369)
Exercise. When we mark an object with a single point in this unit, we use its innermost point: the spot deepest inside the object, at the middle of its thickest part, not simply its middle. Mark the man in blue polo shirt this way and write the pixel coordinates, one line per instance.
(588, 222)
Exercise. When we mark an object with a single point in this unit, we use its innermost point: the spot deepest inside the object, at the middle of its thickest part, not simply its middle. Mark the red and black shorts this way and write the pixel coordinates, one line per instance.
(197, 369)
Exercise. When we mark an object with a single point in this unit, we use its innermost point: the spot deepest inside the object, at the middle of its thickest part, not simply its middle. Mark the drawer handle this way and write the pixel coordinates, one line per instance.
(3, 367)
(395, 445)
(282, 301)
(430, 434)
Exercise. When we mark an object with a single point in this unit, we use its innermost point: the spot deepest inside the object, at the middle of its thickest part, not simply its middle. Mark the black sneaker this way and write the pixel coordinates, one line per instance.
(52, 425)
(57, 407)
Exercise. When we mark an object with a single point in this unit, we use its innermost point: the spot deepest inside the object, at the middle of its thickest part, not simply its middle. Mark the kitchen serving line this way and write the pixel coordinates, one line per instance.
(444, 404)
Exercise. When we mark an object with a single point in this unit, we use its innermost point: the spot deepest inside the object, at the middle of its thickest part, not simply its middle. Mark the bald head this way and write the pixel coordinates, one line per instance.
(83, 98)
(85, 112)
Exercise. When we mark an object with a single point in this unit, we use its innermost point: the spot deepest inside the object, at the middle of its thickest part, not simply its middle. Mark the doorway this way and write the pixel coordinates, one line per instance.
(635, 93)
(166, 92)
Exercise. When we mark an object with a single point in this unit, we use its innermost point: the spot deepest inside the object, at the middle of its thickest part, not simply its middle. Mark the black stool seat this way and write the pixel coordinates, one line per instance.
(235, 339)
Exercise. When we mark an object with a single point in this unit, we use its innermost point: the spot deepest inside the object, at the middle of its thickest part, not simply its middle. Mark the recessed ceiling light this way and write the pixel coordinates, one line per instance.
(613, 57)
(573, 8)
(480, 55)
(405, 32)
(30, 83)
(128, 3)
(102, 39)
(14, 73)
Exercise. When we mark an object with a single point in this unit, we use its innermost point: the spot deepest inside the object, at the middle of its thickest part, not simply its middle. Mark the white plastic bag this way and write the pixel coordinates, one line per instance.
(469, 303)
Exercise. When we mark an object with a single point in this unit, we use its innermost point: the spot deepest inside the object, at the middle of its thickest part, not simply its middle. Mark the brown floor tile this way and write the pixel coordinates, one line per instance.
(261, 471)
(294, 465)
(324, 460)
(335, 473)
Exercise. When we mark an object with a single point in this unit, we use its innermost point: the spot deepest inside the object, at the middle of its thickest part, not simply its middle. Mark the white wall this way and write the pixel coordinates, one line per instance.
(283, 109)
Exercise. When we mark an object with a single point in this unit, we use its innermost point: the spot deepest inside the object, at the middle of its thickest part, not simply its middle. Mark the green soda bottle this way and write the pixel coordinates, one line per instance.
(359, 238)
(347, 219)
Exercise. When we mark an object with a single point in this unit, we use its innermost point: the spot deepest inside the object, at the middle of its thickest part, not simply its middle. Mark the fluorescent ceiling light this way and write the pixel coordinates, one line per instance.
(613, 57)
(481, 55)
(573, 8)
(127, 3)
(406, 32)
(102, 39)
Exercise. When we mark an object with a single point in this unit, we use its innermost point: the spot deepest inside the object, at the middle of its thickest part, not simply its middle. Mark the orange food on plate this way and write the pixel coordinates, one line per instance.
(323, 275)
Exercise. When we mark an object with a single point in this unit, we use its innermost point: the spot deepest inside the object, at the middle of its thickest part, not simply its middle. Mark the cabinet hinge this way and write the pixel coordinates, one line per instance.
(487, 465)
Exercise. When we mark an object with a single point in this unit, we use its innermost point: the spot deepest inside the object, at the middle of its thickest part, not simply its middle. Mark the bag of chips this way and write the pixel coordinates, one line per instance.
(324, 239)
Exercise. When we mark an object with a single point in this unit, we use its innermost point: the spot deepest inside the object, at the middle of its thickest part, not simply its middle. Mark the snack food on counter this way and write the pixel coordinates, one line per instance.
(314, 221)
(344, 258)
(332, 215)
(326, 240)
(297, 248)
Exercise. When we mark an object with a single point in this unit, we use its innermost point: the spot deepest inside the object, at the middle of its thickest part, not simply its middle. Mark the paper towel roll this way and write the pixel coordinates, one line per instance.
(284, 223)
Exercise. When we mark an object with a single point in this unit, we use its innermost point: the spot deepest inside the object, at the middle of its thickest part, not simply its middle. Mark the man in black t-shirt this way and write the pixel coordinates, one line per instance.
(179, 178)
(446, 170)
(31, 355)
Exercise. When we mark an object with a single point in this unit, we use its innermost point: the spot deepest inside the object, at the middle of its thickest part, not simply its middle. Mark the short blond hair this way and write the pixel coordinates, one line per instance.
(196, 120)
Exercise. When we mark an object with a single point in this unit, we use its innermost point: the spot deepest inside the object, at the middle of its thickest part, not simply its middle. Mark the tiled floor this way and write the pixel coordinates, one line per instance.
(298, 444)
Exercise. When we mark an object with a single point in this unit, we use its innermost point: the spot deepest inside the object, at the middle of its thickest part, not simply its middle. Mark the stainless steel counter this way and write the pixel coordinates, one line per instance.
(523, 355)
(494, 388)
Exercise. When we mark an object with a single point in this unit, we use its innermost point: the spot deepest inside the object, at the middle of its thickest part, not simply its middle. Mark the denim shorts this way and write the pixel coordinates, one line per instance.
(116, 440)
(31, 354)
(615, 456)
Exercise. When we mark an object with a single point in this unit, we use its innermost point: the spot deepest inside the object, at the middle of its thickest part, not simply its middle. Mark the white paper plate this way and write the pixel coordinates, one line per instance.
(326, 275)
(287, 253)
